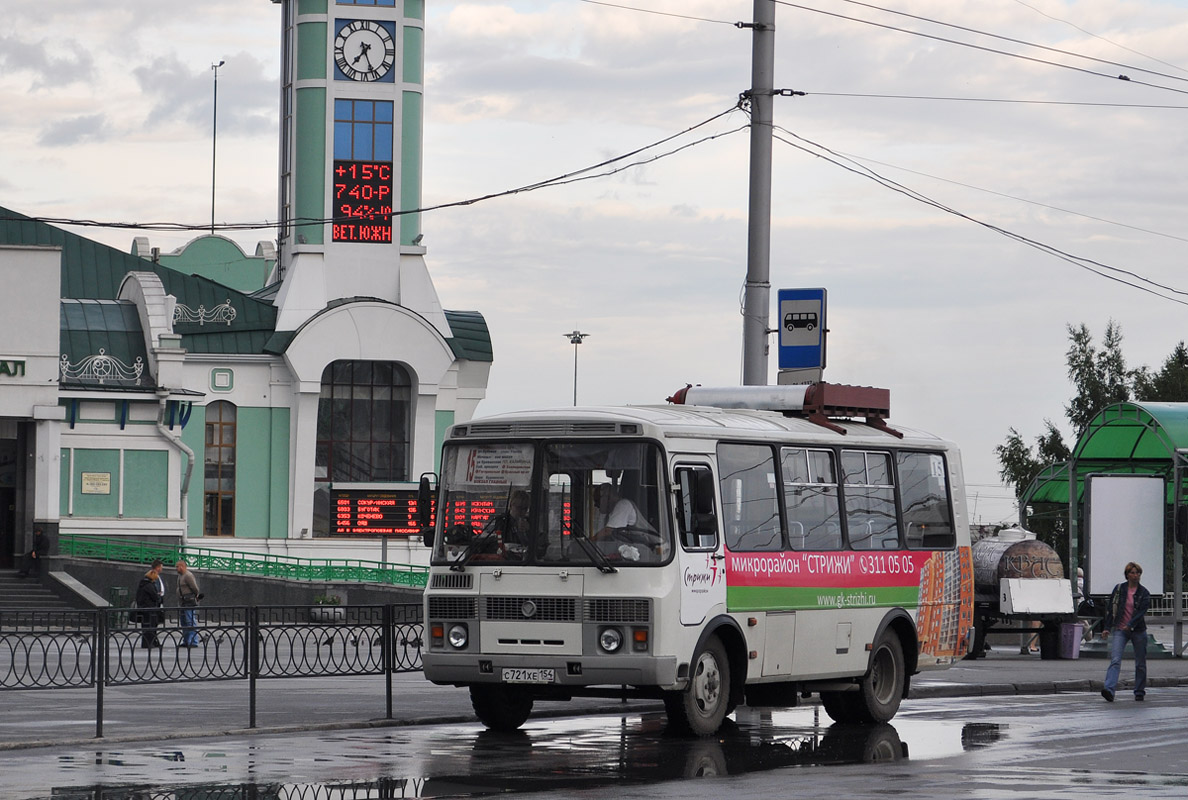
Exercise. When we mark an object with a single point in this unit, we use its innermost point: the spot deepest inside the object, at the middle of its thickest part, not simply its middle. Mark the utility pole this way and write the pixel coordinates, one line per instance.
(214, 141)
(756, 298)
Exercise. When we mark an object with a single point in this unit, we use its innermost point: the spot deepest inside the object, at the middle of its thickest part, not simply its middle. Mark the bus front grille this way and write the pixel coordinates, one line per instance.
(543, 609)
(620, 610)
(452, 580)
(453, 607)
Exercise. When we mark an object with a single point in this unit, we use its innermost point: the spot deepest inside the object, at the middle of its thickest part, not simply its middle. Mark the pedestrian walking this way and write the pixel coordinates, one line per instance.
(187, 601)
(1126, 621)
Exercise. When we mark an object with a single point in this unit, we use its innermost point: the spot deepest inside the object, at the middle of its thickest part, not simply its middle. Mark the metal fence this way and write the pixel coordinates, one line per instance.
(42, 649)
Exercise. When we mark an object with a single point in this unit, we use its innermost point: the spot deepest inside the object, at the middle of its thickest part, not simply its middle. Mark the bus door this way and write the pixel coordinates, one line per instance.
(699, 557)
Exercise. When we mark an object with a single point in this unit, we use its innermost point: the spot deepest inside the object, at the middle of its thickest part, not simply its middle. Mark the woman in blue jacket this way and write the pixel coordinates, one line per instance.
(1126, 619)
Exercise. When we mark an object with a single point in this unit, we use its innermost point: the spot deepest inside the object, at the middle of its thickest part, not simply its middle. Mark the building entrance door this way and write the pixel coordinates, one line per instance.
(8, 537)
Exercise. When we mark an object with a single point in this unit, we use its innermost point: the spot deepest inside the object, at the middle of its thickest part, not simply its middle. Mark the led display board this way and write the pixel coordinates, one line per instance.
(362, 512)
(362, 202)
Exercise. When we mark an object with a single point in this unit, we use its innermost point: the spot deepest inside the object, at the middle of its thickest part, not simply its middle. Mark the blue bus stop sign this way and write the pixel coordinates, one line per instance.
(802, 328)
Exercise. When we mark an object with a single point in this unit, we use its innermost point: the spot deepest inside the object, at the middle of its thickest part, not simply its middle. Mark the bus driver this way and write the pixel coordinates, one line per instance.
(624, 528)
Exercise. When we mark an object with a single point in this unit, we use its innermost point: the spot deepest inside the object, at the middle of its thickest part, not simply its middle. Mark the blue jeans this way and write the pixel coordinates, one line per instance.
(187, 619)
(1118, 640)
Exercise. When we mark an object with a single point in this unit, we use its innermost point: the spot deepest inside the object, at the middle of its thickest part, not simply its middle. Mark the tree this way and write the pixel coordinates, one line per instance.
(1170, 384)
(1100, 378)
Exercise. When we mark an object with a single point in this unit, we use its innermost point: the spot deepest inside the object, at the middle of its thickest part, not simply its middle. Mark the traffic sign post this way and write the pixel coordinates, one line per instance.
(802, 330)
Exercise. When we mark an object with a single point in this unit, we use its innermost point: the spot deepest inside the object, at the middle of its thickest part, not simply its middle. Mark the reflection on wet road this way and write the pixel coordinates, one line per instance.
(995, 747)
(549, 755)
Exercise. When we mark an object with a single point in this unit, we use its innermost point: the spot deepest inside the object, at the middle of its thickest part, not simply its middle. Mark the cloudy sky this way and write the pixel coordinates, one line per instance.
(107, 116)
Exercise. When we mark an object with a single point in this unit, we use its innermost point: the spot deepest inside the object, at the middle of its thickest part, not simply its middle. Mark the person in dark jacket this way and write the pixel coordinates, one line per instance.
(32, 560)
(148, 604)
(1126, 621)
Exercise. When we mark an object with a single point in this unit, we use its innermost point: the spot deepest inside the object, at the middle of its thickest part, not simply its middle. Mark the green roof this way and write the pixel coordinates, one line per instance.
(94, 271)
(1126, 438)
(102, 345)
(471, 339)
(245, 325)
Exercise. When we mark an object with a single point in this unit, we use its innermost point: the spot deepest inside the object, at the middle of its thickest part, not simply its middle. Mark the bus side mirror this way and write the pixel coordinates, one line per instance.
(425, 519)
(1181, 524)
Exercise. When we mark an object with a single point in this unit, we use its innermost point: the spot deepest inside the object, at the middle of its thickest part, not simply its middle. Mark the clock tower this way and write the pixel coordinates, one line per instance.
(352, 89)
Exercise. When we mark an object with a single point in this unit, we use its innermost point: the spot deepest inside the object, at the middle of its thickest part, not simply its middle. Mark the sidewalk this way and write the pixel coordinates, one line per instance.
(160, 712)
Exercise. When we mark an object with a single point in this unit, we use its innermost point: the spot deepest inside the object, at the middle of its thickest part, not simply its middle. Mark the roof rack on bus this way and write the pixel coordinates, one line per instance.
(816, 402)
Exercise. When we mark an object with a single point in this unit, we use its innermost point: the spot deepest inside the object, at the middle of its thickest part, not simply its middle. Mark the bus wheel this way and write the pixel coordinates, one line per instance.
(842, 706)
(701, 707)
(881, 688)
(500, 708)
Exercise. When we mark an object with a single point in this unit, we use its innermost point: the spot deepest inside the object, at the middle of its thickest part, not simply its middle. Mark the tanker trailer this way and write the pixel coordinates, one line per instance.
(1019, 580)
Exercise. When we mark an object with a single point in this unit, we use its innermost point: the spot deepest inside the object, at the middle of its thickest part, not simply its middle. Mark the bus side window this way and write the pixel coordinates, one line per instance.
(695, 500)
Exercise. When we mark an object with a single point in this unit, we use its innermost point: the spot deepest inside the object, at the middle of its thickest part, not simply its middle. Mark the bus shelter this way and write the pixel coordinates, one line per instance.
(1132, 438)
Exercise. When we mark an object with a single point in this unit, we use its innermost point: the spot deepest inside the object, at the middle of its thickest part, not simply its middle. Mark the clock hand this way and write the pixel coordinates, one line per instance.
(363, 48)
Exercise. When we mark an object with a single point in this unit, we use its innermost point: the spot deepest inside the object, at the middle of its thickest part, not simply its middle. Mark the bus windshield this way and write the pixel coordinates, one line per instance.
(574, 503)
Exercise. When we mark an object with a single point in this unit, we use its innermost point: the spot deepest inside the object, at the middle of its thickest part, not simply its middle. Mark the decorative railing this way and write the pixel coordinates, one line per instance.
(103, 369)
(127, 647)
(224, 312)
(245, 563)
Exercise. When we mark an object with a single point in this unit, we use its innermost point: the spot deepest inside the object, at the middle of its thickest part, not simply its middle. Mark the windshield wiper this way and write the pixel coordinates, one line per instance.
(482, 538)
(596, 555)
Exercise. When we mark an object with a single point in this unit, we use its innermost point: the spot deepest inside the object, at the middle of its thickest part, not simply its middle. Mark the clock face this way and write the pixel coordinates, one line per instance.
(364, 50)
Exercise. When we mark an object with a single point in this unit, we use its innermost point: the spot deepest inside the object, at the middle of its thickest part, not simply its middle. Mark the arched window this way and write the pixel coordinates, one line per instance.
(364, 429)
(219, 475)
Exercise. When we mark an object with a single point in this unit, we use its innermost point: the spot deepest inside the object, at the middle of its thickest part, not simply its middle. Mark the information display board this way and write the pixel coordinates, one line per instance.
(363, 512)
(362, 202)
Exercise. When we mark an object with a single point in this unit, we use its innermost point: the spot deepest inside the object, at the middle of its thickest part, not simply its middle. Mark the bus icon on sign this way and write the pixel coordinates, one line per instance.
(808, 321)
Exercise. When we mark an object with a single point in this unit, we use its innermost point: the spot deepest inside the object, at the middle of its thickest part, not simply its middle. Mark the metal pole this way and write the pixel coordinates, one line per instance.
(1178, 558)
(575, 339)
(214, 141)
(758, 286)
(388, 641)
(99, 649)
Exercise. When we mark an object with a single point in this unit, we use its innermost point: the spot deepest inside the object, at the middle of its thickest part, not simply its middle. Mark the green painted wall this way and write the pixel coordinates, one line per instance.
(93, 505)
(414, 55)
(309, 166)
(146, 484)
(311, 50)
(443, 420)
(414, 9)
(261, 473)
(220, 260)
(410, 164)
(311, 6)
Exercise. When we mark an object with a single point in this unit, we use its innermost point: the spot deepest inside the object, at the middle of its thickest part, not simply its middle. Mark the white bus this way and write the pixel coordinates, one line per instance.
(790, 543)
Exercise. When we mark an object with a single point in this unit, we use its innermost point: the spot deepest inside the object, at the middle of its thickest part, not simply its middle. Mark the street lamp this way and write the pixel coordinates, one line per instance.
(575, 339)
(214, 141)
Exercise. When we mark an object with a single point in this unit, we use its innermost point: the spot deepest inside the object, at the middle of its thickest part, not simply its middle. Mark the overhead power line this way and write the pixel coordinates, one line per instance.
(1098, 268)
(990, 49)
(994, 100)
(576, 176)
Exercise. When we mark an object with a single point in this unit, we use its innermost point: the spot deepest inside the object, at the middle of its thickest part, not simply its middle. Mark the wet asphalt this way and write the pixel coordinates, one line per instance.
(163, 712)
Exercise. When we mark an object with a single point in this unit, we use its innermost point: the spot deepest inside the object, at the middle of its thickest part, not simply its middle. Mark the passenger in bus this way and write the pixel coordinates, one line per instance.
(625, 531)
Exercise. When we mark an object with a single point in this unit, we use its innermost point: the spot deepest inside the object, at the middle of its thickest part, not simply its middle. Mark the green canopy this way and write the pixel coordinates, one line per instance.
(1127, 438)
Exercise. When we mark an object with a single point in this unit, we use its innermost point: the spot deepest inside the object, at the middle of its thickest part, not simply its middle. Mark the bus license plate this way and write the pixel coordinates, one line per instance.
(515, 675)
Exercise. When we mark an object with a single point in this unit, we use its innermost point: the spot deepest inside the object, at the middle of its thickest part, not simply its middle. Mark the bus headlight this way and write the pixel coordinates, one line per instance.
(459, 636)
(610, 639)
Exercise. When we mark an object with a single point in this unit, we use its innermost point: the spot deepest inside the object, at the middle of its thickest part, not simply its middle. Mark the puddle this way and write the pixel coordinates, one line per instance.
(549, 755)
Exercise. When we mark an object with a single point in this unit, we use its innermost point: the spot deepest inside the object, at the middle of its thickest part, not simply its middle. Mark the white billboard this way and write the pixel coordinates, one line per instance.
(1124, 522)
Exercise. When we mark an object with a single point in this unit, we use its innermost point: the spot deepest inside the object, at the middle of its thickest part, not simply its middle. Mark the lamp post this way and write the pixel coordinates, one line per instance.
(214, 141)
(575, 339)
